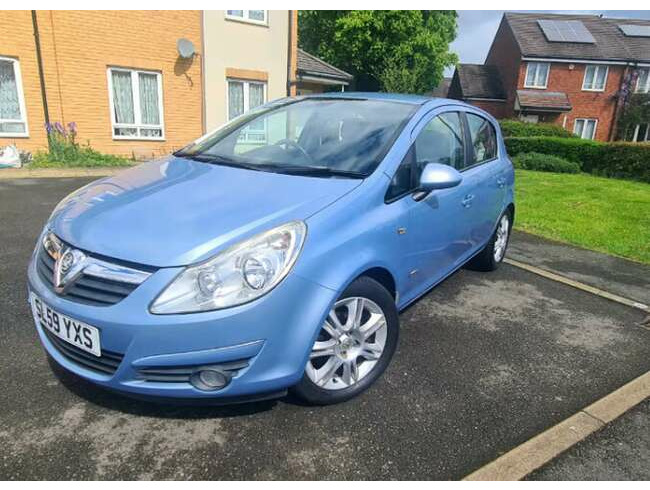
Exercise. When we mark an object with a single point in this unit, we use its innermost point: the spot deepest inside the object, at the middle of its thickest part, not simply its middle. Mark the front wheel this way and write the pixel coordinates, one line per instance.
(354, 345)
(492, 255)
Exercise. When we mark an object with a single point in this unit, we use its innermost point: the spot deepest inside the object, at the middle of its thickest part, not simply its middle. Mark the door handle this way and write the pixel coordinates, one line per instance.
(501, 182)
(467, 200)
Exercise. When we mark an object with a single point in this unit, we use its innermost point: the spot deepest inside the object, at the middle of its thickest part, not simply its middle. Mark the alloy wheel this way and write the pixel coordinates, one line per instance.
(501, 241)
(349, 344)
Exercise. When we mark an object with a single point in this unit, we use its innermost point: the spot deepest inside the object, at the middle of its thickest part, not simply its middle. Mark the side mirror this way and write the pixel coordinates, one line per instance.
(439, 176)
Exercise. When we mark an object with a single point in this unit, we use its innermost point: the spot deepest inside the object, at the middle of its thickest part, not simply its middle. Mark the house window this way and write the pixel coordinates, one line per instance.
(537, 75)
(585, 128)
(13, 119)
(595, 78)
(253, 16)
(243, 96)
(639, 133)
(136, 104)
(643, 82)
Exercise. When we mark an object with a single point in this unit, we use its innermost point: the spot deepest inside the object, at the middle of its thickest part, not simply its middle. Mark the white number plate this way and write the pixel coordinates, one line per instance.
(79, 334)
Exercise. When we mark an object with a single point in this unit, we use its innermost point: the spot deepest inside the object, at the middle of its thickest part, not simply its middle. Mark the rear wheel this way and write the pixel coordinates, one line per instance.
(492, 255)
(354, 345)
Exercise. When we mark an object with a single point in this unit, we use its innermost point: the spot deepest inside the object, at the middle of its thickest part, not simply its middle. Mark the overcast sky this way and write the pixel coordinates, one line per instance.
(476, 29)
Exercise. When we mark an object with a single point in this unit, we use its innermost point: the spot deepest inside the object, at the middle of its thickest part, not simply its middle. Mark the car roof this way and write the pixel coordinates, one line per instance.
(388, 97)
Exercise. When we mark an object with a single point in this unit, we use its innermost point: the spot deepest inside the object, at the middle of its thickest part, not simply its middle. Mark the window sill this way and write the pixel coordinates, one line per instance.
(535, 87)
(14, 135)
(248, 21)
(136, 138)
(593, 89)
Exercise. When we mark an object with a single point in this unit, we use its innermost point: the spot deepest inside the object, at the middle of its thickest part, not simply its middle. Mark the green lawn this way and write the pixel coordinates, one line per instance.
(608, 215)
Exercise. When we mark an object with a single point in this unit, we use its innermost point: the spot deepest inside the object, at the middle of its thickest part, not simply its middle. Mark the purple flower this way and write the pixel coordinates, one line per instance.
(59, 127)
(72, 127)
(48, 127)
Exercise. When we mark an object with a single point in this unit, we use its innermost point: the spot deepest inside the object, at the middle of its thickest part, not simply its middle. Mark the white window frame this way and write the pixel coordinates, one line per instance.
(646, 136)
(536, 64)
(135, 88)
(597, 69)
(639, 89)
(246, 18)
(21, 102)
(584, 125)
(247, 84)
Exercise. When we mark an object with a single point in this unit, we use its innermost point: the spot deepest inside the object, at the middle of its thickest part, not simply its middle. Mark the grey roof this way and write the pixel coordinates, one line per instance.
(541, 99)
(442, 89)
(611, 43)
(480, 81)
(310, 65)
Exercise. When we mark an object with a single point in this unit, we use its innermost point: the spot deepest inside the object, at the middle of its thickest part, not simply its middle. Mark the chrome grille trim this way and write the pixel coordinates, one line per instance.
(98, 282)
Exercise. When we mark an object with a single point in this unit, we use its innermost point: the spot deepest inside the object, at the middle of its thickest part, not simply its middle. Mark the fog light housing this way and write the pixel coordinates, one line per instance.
(209, 379)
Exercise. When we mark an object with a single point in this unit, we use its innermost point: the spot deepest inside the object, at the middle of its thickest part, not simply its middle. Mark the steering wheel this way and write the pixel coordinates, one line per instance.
(295, 145)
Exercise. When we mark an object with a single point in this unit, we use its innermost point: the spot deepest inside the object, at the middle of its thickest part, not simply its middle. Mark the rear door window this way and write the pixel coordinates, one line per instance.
(483, 138)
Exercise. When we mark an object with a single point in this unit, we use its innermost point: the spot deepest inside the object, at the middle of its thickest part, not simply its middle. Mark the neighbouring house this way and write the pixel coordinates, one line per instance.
(139, 83)
(577, 71)
(442, 89)
(315, 75)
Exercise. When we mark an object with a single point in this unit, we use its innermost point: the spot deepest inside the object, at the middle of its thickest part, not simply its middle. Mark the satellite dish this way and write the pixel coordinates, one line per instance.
(185, 48)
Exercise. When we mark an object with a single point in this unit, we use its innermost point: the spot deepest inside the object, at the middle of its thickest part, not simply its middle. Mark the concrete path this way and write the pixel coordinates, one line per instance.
(613, 274)
(620, 451)
(44, 173)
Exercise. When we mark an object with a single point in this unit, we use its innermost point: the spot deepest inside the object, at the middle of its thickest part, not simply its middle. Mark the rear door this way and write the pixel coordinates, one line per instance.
(485, 179)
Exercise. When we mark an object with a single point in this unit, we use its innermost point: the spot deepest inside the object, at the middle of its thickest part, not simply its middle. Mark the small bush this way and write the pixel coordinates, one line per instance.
(545, 163)
(512, 127)
(619, 160)
(64, 151)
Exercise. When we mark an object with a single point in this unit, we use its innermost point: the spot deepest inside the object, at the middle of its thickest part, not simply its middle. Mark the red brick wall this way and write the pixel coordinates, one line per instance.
(591, 105)
(500, 110)
(506, 56)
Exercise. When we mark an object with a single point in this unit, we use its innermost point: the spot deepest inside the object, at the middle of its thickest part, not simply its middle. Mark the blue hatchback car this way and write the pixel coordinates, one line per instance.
(274, 253)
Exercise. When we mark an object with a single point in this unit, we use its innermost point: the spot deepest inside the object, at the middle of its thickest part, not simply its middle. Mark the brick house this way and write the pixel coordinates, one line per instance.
(572, 70)
(121, 77)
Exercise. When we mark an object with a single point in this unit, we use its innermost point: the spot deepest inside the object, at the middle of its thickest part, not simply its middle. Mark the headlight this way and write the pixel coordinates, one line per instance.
(237, 275)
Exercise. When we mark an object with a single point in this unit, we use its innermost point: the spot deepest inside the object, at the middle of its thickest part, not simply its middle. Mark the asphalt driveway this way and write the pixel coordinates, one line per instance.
(485, 362)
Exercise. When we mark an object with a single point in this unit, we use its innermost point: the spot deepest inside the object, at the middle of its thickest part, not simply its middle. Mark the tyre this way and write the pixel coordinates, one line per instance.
(354, 345)
(492, 255)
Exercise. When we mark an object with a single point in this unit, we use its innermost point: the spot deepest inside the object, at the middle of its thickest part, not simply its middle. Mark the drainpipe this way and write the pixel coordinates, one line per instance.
(39, 61)
(620, 101)
(289, 53)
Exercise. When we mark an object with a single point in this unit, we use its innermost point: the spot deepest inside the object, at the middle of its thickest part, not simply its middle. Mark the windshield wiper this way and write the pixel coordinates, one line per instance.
(317, 171)
(219, 160)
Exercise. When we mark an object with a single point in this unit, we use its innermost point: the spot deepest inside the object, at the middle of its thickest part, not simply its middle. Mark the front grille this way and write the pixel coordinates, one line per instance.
(183, 374)
(86, 289)
(107, 363)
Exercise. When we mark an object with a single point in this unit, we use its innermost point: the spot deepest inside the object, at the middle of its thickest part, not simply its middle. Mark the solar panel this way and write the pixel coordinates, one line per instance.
(634, 30)
(566, 31)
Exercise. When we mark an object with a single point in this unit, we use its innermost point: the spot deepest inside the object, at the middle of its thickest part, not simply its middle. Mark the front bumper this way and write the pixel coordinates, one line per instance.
(271, 337)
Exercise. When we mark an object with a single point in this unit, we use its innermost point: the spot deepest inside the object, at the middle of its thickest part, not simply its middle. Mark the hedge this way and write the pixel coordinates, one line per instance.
(545, 163)
(620, 160)
(515, 128)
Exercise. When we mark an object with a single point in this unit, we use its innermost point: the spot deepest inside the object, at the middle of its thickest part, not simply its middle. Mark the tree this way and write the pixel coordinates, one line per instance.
(389, 50)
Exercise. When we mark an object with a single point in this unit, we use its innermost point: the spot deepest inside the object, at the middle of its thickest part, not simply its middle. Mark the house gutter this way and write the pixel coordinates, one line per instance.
(39, 61)
(289, 51)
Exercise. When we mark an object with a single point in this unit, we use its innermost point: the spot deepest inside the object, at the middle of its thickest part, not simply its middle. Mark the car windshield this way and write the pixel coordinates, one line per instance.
(325, 137)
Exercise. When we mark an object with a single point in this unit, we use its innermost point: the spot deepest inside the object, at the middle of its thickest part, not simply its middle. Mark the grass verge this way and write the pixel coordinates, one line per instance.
(607, 215)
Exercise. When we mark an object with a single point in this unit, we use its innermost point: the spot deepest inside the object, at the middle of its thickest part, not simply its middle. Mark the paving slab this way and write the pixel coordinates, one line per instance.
(619, 451)
(485, 362)
(613, 274)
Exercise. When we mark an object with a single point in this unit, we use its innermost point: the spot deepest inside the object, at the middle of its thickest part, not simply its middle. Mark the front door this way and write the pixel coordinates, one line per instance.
(437, 235)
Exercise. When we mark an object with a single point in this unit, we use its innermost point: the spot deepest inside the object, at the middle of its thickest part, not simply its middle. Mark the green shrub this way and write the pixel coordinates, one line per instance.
(512, 127)
(64, 151)
(545, 163)
(619, 160)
